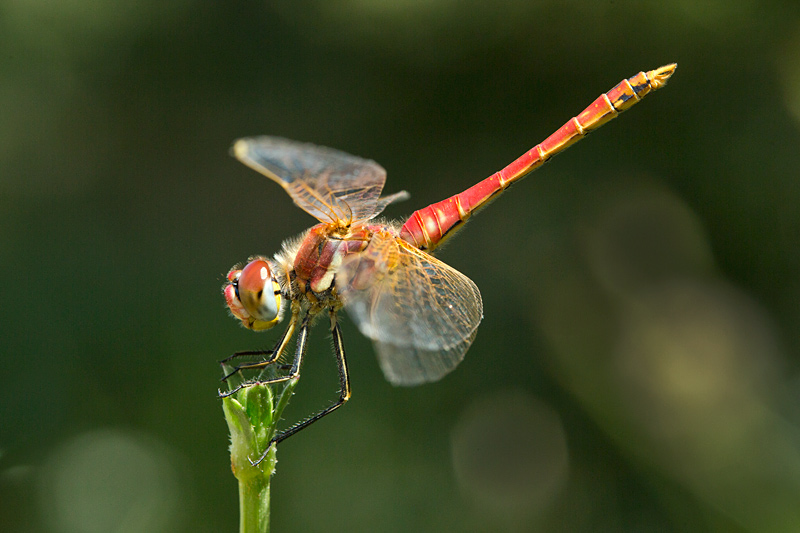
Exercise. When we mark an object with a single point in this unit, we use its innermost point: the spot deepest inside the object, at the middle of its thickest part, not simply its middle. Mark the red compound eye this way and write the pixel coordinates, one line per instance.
(253, 295)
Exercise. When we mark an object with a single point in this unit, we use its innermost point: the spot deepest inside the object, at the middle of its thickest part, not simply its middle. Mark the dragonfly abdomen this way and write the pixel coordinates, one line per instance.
(430, 226)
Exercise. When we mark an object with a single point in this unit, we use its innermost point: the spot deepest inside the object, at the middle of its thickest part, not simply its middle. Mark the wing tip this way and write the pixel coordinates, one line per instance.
(239, 149)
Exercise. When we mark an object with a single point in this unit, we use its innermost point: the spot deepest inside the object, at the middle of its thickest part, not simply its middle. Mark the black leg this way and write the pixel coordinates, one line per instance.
(246, 353)
(344, 389)
(270, 356)
(294, 372)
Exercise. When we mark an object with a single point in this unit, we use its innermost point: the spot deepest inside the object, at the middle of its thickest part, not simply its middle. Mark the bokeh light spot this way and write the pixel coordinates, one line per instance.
(510, 454)
(109, 480)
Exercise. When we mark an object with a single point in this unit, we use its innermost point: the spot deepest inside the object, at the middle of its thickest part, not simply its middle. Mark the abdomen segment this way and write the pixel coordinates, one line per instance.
(430, 226)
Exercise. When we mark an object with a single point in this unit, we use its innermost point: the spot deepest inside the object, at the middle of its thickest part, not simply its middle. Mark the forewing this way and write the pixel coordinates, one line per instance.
(330, 185)
(421, 314)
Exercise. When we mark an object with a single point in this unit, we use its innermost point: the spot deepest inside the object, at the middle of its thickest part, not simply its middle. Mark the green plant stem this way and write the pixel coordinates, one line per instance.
(254, 505)
(252, 416)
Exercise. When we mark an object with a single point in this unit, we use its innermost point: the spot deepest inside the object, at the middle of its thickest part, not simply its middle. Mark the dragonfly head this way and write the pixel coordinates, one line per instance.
(253, 296)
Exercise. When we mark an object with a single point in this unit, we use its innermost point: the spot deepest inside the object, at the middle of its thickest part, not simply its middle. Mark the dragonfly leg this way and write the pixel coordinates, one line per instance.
(246, 353)
(344, 387)
(269, 356)
(294, 371)
(276, 354)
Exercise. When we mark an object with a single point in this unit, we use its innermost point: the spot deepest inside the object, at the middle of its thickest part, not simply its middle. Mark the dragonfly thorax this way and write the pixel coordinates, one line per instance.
(320, 254)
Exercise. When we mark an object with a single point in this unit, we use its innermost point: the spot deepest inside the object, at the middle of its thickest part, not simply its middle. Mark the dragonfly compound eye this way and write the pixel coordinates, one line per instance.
(253, 295)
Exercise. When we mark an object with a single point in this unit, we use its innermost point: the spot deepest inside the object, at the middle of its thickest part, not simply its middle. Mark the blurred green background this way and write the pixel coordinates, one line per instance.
(637, 367)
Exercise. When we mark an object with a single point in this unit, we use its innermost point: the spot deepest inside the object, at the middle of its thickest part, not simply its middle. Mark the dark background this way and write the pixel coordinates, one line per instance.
(637, 367)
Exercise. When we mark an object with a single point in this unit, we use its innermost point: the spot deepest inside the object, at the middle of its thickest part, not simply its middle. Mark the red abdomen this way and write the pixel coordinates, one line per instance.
(430, 226)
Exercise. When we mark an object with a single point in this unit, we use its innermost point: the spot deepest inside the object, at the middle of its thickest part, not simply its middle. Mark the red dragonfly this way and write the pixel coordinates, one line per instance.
(421, 314)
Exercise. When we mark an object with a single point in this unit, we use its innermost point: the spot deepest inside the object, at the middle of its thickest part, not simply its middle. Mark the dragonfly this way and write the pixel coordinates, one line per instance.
(420, 313)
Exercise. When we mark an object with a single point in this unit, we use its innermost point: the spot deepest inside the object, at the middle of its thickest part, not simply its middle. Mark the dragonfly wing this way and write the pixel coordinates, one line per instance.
(330, 185)
(421, 313)
(383, 201)
(409, 365)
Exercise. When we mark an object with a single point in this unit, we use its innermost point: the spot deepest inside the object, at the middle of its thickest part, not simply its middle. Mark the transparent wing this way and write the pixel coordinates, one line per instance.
(421, 314)
(330, 185)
